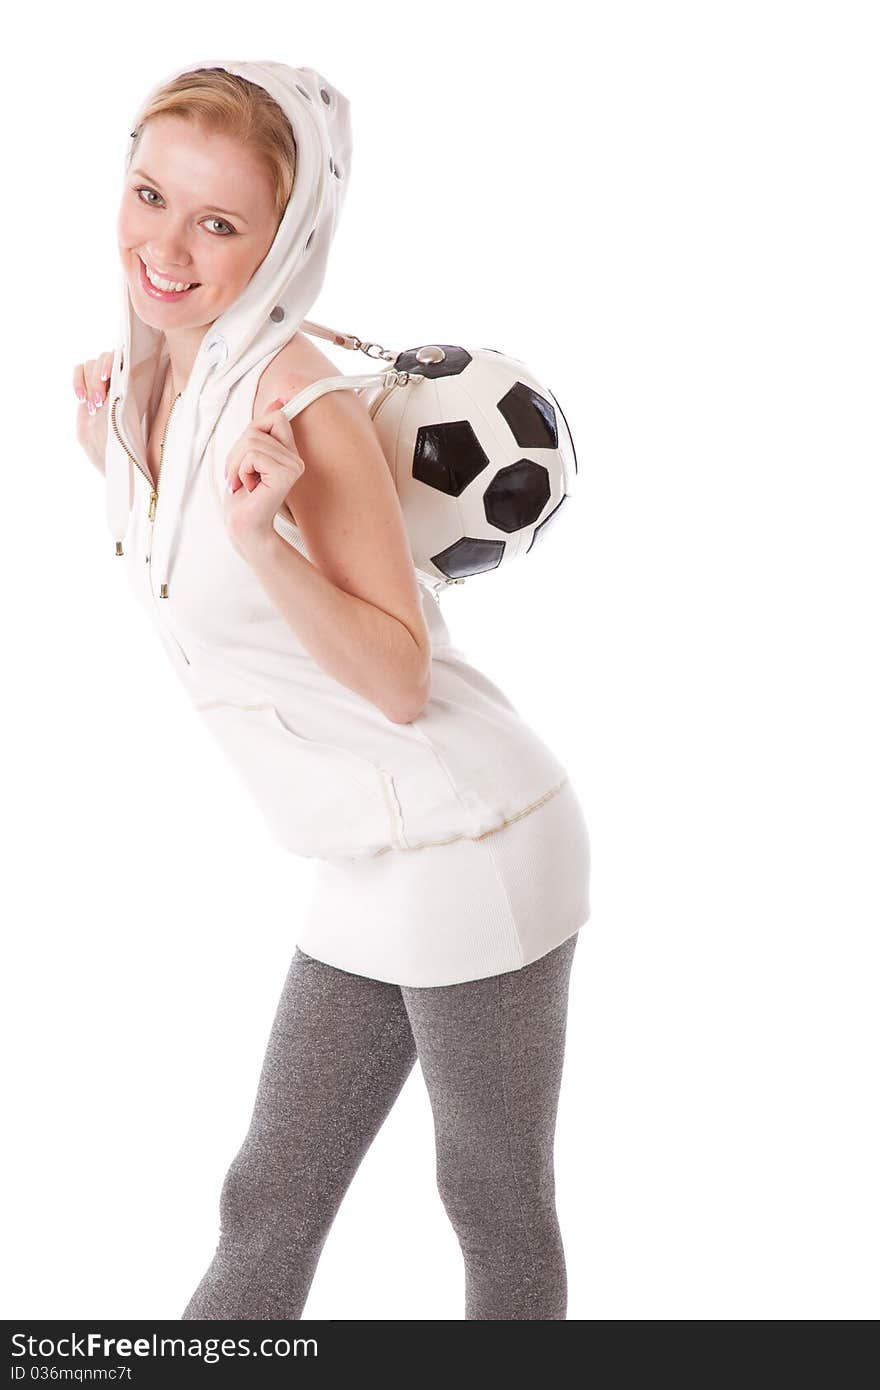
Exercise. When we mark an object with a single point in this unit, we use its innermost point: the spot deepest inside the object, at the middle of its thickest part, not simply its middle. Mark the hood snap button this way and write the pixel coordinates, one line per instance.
(277, 313)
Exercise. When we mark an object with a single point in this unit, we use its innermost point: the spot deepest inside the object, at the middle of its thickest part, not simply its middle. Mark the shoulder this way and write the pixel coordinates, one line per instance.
(296, 365)
(335, 426)
(347, 507)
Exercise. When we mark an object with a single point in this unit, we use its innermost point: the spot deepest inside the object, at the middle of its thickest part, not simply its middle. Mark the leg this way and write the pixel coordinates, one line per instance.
(339, 1051)
(491, 1052)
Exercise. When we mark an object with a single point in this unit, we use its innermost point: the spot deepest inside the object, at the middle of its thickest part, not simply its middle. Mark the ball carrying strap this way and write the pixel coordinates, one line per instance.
(310, 393)
(347, 340)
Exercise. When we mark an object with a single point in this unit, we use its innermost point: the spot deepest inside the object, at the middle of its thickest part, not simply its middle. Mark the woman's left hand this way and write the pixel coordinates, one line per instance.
(262, 467)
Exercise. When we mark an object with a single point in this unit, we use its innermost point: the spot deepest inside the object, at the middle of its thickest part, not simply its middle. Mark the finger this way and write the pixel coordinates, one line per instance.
(89, 379)
(243, 477)
(103, 369)
(79, 382)
(276, 423)
(252, 466)
(95, 388)
(258, 467)
(254, 441)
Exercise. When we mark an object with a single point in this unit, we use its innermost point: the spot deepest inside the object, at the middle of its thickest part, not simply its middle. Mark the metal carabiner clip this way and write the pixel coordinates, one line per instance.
(376, 350)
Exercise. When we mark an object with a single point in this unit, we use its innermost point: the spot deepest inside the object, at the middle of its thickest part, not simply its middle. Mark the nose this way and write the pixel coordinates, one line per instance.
(167, 258)
(172, 252)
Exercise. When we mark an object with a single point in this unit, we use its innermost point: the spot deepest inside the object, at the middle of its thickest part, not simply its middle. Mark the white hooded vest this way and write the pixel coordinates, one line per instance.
(333, 776)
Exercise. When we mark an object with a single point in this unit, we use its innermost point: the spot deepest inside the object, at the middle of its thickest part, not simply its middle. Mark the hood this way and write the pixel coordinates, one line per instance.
(266, 315)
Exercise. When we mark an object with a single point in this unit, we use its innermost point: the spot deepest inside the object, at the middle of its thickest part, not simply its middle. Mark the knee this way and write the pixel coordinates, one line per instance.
(250, 1195)
(485, 1195)
(469, 1190)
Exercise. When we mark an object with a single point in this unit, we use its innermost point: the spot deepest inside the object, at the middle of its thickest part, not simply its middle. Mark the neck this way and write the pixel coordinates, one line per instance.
(183, 347)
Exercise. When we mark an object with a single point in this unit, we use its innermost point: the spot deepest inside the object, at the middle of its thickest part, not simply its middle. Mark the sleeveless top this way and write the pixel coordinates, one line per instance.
(334, 778)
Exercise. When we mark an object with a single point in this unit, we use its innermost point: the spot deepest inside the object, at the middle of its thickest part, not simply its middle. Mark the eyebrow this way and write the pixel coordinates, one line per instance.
(211, 207)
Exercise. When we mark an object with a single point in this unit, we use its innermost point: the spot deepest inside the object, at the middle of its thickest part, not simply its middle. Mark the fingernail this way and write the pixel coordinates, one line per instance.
(80, 395)
(91, 407)
(105, 376)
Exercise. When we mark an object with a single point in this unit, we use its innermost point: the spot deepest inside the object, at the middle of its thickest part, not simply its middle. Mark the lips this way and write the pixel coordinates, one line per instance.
(167, 295)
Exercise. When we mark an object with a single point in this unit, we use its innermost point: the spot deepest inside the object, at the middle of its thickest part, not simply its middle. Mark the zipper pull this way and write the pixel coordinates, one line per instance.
(154, 497)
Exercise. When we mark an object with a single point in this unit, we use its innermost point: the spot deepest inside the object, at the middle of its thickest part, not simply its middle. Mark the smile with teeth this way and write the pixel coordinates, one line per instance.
(167, 286)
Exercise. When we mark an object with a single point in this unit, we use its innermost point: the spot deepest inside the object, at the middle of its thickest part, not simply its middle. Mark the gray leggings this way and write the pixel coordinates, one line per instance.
(340, 1048)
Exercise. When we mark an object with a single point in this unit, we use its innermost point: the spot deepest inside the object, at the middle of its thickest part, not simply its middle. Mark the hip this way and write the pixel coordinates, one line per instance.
(473, 907)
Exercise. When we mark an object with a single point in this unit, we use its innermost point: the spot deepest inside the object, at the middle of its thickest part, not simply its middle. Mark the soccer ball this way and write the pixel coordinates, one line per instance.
(481, 456)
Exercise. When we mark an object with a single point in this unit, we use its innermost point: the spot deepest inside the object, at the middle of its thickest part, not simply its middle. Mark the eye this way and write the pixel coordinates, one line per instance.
(230, 231)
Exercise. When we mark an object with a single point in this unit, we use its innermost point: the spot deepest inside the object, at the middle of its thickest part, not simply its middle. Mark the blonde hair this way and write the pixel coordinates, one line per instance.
(221, 101)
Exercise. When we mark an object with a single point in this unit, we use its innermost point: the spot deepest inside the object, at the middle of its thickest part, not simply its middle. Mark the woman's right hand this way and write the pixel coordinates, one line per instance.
(91, 384)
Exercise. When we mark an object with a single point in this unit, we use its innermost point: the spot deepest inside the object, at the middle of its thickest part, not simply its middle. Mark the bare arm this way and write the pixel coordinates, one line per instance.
(355, 602)
(362, 646)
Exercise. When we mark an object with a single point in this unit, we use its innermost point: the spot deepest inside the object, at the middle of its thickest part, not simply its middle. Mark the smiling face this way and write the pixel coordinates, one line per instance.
(198, 209)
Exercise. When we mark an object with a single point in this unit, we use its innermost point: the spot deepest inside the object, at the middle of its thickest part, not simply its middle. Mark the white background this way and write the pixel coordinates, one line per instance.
(671, 211)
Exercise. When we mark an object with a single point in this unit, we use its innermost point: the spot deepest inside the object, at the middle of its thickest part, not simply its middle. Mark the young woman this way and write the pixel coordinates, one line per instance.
(452, 854)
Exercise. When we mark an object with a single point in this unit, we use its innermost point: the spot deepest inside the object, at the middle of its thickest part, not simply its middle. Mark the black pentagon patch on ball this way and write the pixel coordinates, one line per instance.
(470, 555)
(532, 420)
(517, 495)
(540, 531)
(454, 362)
(448, 457)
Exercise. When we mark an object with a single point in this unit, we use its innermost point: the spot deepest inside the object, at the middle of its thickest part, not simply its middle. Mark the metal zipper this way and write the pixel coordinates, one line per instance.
(154, 488)
(379, 398)
(154, 492)
(134, 460)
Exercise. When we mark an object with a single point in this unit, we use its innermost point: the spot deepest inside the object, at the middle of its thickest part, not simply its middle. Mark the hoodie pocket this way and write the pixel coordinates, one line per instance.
(319, 800)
